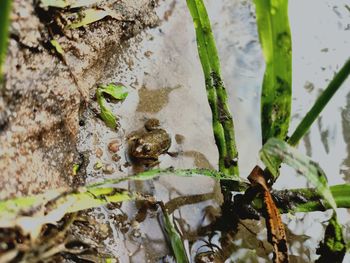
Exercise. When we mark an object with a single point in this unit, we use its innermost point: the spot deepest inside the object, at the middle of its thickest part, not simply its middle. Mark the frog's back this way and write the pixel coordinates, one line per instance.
(161, 141)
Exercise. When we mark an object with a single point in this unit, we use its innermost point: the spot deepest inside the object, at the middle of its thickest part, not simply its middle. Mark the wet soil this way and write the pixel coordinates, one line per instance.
(43, 91)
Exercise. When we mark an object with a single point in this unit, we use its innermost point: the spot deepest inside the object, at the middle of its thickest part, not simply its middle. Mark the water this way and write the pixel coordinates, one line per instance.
(162, 70)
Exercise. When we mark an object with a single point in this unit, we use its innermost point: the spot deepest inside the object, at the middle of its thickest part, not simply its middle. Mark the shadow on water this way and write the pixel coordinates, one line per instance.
(162, 71)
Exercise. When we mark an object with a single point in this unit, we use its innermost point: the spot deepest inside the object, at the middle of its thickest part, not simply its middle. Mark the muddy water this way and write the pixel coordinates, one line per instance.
(164, 77)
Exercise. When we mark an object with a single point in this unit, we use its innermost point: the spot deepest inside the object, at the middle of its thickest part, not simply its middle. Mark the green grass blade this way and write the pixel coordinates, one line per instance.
(236, 184)
(222, 121)
(275, 39)
(287, 154)
(5, 10)
(174, 238)
(320, 103)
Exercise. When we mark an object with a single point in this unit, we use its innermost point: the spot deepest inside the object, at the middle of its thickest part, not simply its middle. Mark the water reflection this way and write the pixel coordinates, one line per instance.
(152, 101)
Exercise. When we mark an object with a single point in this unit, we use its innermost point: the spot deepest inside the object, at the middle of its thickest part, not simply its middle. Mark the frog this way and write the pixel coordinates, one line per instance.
(147, 145)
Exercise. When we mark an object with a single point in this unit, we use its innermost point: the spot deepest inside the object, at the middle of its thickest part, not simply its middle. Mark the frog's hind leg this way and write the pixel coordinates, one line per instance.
(152, 164)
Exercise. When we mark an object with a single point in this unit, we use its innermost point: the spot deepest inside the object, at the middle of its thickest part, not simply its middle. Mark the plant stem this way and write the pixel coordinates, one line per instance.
(320, 103)
(309, 200)
(222, 121)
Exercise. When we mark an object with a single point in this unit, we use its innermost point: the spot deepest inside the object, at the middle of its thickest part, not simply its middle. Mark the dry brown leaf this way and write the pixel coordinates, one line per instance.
(276, 234)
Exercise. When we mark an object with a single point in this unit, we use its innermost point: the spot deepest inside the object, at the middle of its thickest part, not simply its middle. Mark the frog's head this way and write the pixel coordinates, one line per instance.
(140, 149)
(152, 124)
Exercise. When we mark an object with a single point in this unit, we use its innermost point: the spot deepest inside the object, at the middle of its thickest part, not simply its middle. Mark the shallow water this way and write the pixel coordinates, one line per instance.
(163, 73)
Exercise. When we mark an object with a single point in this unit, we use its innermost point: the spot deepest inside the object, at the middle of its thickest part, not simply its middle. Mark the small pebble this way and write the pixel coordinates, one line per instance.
(99, 152)
(116, 157)
(108, 169)
(148, 53)
(113, 146)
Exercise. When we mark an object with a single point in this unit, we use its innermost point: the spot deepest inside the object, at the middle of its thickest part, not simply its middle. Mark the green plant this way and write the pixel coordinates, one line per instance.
(216, 93)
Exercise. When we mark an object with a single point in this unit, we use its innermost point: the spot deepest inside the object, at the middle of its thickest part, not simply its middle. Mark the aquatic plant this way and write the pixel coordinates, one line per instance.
(221, 117)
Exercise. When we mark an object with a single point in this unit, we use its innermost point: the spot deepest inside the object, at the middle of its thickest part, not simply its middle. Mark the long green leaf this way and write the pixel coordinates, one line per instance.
(5, 9)
(275, 39)
(235, 184)
(222, 121)
(320, 103)
(174, 238)
(275, 148)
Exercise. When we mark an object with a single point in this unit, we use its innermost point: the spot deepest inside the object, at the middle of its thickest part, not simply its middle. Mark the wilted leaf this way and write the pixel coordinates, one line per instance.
(70, 3)
(81, 3)
(275, 148)
(56, 3)
(57, 46)
(31, 213)
(91, 15)
(276, 234)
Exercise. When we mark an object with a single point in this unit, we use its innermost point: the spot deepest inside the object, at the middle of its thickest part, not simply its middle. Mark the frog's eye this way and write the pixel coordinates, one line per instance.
(146, 148)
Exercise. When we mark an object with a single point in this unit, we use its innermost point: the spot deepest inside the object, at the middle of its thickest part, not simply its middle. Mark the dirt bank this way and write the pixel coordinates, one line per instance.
(45, 91)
